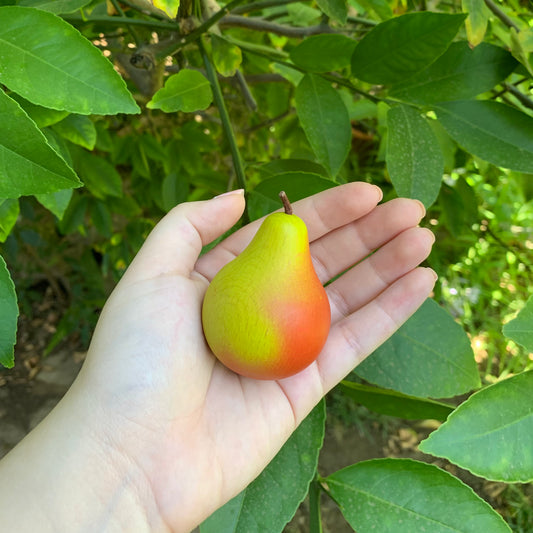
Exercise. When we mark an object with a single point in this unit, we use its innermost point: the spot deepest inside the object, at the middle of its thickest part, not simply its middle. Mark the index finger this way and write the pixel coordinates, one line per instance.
(322, 213)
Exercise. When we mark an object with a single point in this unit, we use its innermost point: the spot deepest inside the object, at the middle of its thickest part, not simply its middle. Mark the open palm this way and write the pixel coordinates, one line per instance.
(198, 432)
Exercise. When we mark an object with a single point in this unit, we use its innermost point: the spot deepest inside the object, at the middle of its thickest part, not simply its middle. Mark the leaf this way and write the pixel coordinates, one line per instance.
(170, 7)
(477, 21)
(491, 433)
(56, 202)
(77, 129)
(522, 47)
(392, 403)
(72, 74)
(270, 501)
(280, 166)
(9, 212)
(101, 217)
(402, 46)
(265, 197)
(56, 6)
(42, 116)
(324, 52)
(9, 312)
(495, 132)
(325, 121)
(29, 164)
(174, 190)
(414, 156)
(335, 9)
(460, 73)
(520, 329)
(227, 57)
(187, 91)
(406, 496)
(380, 7)
(429, 356)
(98, 175)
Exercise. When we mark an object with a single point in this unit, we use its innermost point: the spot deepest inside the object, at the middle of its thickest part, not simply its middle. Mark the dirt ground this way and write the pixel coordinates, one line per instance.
(31, 390)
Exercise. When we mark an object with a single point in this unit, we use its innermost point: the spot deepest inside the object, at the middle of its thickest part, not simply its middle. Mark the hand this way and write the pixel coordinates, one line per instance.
(181, 430)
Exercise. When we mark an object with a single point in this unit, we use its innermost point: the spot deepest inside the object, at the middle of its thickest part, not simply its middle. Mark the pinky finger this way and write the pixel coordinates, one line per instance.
(355, 337)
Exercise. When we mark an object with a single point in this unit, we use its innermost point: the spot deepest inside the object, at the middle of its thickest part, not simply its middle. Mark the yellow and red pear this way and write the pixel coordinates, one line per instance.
(265, 314)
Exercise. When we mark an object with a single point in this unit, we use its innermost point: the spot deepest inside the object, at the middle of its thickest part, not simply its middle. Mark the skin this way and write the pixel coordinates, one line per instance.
(155, 434)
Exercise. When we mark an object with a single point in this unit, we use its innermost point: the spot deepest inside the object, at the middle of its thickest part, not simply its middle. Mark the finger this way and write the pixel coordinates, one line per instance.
(340, 249)
(175, 243)
(322, 213)
(352, 339)
(355, 337)
(372, 276)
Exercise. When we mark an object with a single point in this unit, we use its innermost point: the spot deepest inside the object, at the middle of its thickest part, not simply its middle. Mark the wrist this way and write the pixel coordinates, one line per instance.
(75, 478)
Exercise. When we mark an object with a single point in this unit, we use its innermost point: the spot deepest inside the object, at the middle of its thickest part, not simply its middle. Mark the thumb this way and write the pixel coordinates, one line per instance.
(175, 243)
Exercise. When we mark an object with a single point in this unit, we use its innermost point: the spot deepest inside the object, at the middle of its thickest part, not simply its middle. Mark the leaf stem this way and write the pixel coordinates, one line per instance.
(224, 117)
(315, 521)
(121, 21)
(119, 10)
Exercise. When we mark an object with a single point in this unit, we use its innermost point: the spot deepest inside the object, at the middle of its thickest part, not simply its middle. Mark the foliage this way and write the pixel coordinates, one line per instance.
(113, 113)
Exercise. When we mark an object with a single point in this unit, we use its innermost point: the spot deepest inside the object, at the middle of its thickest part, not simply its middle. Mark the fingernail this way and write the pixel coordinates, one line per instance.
(236, 191)
(435, 276)
(380, 193)
(422, 207)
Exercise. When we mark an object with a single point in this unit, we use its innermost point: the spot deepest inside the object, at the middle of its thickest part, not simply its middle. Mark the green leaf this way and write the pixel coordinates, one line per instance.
(414, 156)
(187, 91)
(101, 217)
(280, 166)
(381, 8)
(29, 164)
(325, 121)
(324, 52)
(460, 73)
(491, 433)
(9, 212)
(522, 47)
(406, 496)
(429, 356)
(495, 132)
(98, 175)
(174, 190)
(477, 21)
(170, 7)
(265, 197)
(42, 116)
(77, 129)
(335, 9)
(74, 215)
(56, 202)
(520, 329)
(9, 312)
(270, 501)
(402, 46)
(227, 57)
(392, 403)
(61, 69)
(56, 6)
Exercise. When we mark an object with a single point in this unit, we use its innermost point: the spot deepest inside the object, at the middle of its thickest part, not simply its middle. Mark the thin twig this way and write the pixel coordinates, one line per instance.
(519, 95)
(226, 123)
(253, 23)
(501, 15)
(262, 4)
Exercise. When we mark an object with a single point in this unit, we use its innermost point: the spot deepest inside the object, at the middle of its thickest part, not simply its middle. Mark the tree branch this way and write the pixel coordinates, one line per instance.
(259, 24)
(501, 15)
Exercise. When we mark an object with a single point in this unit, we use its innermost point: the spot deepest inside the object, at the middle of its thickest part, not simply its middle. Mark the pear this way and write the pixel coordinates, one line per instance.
(266, 315)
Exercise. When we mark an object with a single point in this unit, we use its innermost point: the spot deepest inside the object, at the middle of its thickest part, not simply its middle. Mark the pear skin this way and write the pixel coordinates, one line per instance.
(265, 314)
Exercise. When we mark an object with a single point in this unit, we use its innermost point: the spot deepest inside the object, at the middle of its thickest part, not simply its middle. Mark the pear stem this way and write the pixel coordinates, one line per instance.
(286, 204)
